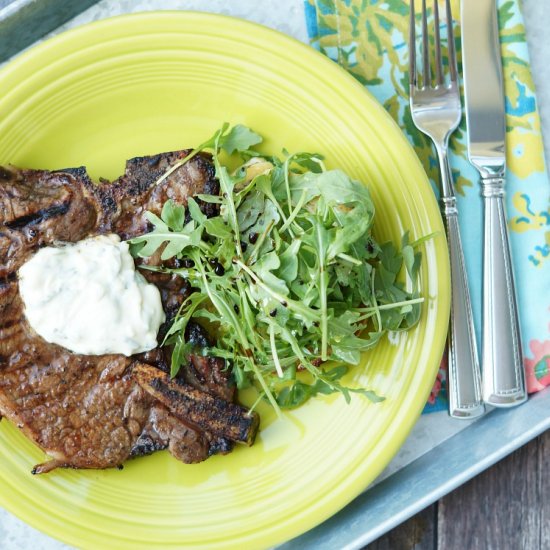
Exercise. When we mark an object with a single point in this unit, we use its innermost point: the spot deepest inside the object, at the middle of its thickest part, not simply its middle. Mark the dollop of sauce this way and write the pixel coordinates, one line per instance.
(89, 298)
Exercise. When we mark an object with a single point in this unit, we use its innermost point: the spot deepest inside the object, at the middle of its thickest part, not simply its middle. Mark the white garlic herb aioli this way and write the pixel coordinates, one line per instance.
(89, 298)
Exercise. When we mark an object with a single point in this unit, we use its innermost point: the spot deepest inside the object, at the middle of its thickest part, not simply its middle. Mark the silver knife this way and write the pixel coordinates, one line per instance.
(503, 376)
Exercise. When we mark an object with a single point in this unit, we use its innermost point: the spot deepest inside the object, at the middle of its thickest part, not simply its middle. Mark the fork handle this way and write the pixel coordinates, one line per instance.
(464, 377)
(503, 372)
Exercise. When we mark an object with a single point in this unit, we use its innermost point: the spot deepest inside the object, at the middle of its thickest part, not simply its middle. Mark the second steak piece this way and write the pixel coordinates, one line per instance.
(201, 409)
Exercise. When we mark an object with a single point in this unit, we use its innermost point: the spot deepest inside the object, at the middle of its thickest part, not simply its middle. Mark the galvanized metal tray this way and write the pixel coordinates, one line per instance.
(440, 453)
(22, 22)
(429, 477)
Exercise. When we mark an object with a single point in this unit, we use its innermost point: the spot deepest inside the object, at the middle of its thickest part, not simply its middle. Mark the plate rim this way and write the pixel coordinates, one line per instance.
(15, 65)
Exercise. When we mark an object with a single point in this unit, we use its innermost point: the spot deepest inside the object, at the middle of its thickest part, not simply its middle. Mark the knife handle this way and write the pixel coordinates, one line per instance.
(464, 378)
(503, 372)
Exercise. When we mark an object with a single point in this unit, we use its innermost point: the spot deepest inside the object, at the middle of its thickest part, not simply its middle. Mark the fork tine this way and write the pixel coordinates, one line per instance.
(451, 42)
(427, 75)
(438, 65)
(412, 48)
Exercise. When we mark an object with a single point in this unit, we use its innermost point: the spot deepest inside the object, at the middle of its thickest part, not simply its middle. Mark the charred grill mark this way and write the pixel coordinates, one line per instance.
(211, 186)
(108, 203)
(39, 216)
(79, 173)
(8, 278)
(186, 403)
(5, 174)
(220, 446)
(79, 176)
(197, 336)
(165, 327)
(203, 410)
(154, 160)
(146, 445)
(8, 323)
(143, 172)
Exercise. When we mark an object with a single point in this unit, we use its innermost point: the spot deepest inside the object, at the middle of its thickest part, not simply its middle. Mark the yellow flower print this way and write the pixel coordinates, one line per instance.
(527, 220)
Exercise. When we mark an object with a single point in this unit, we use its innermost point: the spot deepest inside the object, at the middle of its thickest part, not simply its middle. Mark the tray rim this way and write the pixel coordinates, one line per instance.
(385, 492)
(416, 486)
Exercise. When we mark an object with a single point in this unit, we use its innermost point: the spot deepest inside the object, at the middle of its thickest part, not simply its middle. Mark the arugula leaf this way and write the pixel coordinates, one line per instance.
(309, 162)
(217, 227)
(176, 241)
(194, 211)
(288, 269)
(172, 214)
(289, 274)
(296, 394)
(180, 353)
(239, 138)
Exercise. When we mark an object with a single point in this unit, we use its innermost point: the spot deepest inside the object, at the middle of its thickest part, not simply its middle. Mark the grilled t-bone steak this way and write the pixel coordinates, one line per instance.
(90, 411)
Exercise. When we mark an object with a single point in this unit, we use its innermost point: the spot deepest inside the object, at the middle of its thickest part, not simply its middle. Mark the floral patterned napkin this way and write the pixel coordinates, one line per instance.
(368, 38)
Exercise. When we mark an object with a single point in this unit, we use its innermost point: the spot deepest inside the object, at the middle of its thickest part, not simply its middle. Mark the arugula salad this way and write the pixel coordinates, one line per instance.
(289, 274)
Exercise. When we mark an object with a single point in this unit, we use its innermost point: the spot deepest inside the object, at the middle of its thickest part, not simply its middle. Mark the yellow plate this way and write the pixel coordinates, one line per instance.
(147, 83)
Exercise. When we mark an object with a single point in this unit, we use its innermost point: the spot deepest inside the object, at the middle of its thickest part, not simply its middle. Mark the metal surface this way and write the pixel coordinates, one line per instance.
(429, 478)
(22, 22)
(436, 111)
(503, 374)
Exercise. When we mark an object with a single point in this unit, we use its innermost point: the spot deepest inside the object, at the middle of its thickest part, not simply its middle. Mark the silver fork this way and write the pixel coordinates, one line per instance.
(436, 111)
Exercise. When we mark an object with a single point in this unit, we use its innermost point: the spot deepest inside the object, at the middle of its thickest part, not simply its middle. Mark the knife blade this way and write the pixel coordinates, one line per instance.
(503, 376)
